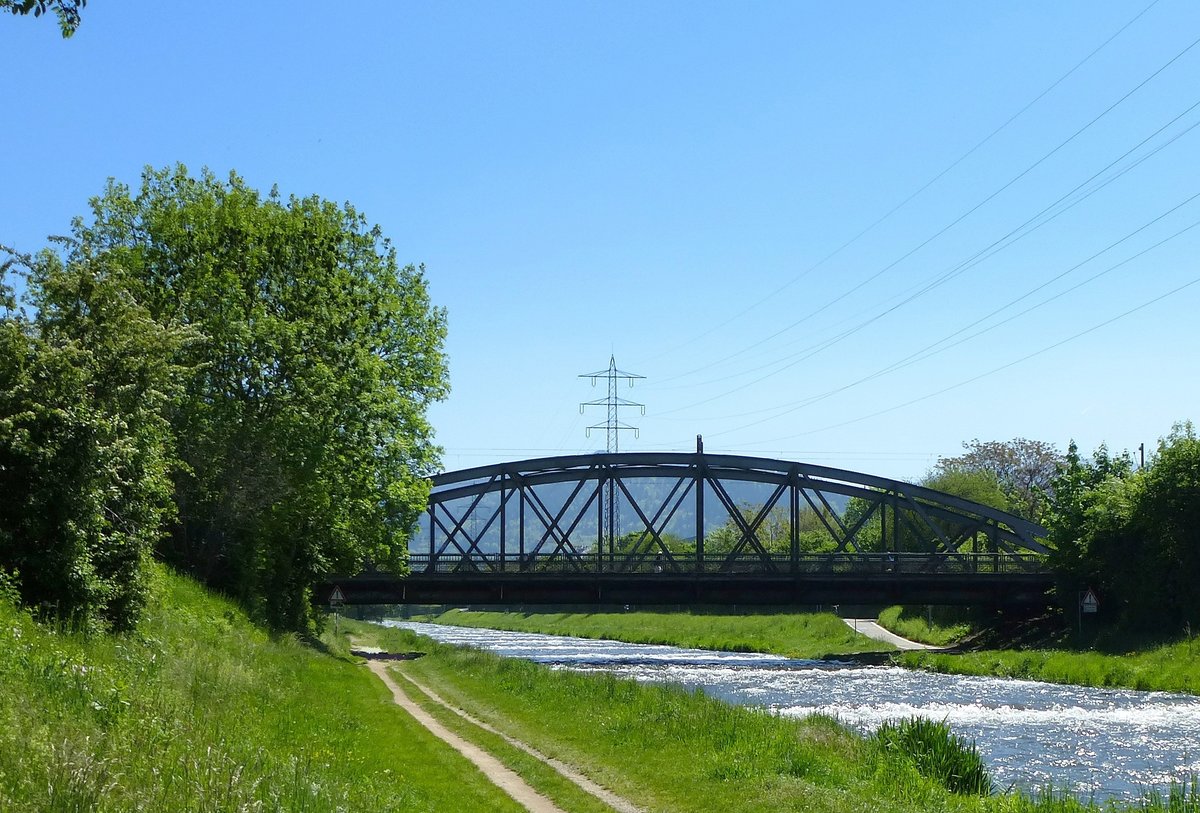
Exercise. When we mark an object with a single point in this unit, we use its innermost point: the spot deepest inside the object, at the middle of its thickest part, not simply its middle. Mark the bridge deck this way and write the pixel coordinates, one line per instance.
(862, 579)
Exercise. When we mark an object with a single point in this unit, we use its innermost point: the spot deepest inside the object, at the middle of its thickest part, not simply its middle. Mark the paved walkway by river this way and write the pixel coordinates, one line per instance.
(869, 628)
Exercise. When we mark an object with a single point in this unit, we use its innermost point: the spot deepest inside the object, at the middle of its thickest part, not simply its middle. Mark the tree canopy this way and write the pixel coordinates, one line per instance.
(302, 358)
(974, 484)
(1024, 469)
(1134, 536)
(67, 11)
(84, 444)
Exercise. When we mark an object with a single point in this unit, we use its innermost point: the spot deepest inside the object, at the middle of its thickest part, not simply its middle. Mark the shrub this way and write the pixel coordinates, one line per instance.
(936, 753)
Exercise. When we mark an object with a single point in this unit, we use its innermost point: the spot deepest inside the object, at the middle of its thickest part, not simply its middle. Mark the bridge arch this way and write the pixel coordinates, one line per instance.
(696, 513)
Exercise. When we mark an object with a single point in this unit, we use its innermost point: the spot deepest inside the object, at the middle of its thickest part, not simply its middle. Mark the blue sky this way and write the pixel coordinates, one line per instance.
(707, 191)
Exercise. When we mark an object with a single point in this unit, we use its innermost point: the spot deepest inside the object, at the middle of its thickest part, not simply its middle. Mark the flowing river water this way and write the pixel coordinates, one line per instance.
(1096, 742)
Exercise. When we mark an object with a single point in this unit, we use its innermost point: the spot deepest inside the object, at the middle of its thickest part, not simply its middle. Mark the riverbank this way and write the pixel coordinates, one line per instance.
(198, 709)
(1045, 649)
(793, 635)
(1167, 668)
(669, 748)
(945, 628)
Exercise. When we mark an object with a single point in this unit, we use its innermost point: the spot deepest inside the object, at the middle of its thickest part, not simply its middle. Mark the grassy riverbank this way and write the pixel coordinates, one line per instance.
(1167, 668)
(199, 710)
(796, 635)
(670, 749)
(1174, 667)
(941, 626)
(1046, 649)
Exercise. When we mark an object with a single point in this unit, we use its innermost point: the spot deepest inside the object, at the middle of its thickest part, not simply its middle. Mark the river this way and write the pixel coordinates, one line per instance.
(1098, 742)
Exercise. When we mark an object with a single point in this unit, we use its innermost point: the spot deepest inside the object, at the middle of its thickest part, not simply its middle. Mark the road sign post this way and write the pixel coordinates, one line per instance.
(336, 599)
(1088, 603)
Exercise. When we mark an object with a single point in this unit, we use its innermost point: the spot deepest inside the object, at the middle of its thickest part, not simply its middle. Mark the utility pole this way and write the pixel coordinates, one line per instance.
(610, 515)
(1142, 455)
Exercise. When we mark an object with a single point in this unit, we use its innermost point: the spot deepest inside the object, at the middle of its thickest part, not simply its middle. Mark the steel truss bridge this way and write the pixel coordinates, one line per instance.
(699, 528)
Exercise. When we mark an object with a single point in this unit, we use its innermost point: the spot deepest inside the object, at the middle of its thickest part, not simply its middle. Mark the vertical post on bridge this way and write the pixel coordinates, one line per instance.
(698, 484)
(503, 521)
(432, 509)
(521, 520)
(794, 518)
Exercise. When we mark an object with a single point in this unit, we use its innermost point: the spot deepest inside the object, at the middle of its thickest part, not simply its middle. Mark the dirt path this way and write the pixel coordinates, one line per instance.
(602, 793)
(504, 778)
(869, 628)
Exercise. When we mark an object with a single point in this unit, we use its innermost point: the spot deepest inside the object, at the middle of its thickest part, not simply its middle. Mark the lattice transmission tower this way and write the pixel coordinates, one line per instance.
(610, 513)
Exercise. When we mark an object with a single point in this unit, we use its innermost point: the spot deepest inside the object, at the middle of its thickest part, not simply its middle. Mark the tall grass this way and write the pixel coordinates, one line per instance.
(795, 635)
(937, 753)
(200, 711)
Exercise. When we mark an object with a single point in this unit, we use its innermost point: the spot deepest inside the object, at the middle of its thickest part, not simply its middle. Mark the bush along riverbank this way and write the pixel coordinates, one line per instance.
(197, 709)
(671, 749)
(794, 635)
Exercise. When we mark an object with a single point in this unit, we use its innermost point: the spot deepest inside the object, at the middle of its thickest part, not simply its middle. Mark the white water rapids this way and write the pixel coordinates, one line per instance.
(1096, 742)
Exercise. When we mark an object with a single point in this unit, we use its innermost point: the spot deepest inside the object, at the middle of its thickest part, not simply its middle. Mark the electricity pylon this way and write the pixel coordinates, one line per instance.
(610, 514)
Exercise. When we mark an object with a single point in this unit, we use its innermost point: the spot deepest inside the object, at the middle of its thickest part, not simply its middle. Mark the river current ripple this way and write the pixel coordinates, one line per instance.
(1097, 742)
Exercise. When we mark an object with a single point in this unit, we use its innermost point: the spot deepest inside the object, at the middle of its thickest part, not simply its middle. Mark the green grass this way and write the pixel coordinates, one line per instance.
(914, 624)
(937, 753)
(674, 750)
(1167, 668)
(795, 635)
(198, 710)
(538, 774)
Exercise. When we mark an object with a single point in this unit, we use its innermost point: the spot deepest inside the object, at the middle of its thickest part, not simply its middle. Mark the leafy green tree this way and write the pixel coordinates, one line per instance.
(774, 533)
(869, 538)
(301, 430)
(1025, 470)
(1169, 524)
(1133, 536)
(643, 545)
(976, 485)
(67, 11)
(85, 451)
(1085, 495)
(813, 532)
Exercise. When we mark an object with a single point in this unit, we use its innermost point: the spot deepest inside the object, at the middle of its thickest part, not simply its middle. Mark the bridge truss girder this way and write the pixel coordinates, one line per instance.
(471, 528)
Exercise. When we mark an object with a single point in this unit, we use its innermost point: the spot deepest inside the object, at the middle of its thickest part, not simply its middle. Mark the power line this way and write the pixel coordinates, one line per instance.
(921, 189)
(929, 350)
(993, 371)
(952, 223)
(1016, 234)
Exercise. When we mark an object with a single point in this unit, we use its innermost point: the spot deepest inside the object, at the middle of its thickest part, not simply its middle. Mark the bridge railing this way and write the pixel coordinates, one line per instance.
(689, 564)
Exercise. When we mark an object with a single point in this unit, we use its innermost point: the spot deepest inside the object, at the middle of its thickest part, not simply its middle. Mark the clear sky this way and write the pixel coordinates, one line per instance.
(773, 211)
